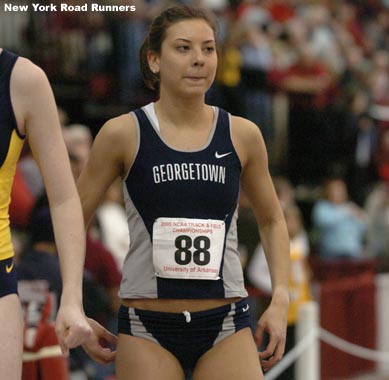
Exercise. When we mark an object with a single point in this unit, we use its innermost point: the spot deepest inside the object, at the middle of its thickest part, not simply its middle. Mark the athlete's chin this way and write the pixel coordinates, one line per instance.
(195, 90)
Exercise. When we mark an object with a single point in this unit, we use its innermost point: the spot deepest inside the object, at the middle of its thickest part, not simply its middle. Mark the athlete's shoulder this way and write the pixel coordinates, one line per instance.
(245, 129)
(248, 140)
(117, 137)
(27, 75)
(118, 127)
(123, 120)
(32, 96)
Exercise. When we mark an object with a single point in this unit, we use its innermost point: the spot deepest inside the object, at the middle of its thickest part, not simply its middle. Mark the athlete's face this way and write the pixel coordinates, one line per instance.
(188, 60)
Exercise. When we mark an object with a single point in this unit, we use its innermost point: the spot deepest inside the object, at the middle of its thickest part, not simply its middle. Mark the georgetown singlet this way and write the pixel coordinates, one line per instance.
(182, 212)
(11, 142)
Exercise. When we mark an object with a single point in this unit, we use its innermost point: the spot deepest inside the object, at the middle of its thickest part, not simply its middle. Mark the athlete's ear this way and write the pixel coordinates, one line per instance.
(153, 60)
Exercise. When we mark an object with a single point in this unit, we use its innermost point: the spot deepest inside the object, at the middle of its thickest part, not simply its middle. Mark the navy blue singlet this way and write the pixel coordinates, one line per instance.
(166, 183)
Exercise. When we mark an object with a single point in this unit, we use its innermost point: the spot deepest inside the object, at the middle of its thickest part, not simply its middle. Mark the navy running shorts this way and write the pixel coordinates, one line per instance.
(186, 335)
(8, 278)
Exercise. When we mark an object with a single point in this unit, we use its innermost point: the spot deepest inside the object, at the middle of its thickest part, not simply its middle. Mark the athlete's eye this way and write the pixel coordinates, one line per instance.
(183, 48)
(210, 49)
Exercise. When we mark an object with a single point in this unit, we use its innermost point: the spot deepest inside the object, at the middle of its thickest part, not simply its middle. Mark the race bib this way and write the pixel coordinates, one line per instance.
(188, 248)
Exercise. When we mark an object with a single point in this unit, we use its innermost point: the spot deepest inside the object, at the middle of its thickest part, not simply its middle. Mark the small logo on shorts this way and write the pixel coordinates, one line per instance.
(8, 268)
(245, 308)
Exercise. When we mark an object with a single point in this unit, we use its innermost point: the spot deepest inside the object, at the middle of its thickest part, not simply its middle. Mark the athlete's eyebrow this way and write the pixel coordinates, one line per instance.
(189, 41)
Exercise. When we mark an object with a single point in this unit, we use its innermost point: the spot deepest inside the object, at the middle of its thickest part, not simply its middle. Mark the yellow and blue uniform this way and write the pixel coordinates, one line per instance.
(11, 142)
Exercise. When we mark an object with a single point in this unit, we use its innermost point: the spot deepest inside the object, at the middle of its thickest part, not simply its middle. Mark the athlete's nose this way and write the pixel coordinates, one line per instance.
(198, 57)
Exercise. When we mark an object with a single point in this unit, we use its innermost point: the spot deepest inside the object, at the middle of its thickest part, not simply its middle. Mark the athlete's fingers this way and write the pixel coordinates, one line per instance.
(93, 346)
(97, 352)
(100, 354)
(270, 361)
(77, 334)
(259, 334)
(71, 327)
(61, 331)
(267, 364)
(273, 352)
(107, 356)
(274, 348)
(109, 337)
(101, 332)
(268, 352)
(279, 351)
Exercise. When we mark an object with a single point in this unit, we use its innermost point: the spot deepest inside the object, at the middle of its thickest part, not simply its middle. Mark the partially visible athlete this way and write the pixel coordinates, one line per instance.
(184, 306)
(27, 109)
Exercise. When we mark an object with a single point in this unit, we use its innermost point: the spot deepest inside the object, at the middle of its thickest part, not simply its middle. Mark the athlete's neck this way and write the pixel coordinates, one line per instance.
(182, 112)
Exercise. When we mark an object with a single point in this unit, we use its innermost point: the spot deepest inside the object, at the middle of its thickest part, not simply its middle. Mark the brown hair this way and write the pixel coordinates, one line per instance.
(156, 35)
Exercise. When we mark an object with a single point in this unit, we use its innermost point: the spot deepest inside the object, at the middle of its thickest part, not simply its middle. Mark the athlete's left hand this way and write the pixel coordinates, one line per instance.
(71, 327)
(273, 322)
(95, 345)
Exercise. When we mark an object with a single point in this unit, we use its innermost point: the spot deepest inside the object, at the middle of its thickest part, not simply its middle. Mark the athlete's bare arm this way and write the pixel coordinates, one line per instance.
(111, 155)
(258, 187)
(37, 117)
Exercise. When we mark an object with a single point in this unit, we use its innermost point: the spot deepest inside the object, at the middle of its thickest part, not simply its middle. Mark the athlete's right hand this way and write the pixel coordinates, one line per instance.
(94, 347)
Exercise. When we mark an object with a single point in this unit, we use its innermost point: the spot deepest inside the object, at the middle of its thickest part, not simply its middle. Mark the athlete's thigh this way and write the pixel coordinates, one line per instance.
(141, 359)
(234, 358)
(11, 333)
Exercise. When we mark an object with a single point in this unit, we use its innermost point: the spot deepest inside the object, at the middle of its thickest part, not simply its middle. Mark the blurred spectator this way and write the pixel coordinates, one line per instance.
(382, 154)
(31, 173)
(281, 10)
(78, 140)
(257, 58)
(378, 79)
(377, 213)
(322, 36)
(109, 225)
(352, 80)
(339, 224)
(349, 23)
(362, 145)
(284, 190)
(252, 13)
(128, 33)
(299, 284)
(40, 262)
(228, 73)
(308, 83)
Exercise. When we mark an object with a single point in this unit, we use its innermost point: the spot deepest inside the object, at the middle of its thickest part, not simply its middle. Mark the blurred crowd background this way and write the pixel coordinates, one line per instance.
(312, 74)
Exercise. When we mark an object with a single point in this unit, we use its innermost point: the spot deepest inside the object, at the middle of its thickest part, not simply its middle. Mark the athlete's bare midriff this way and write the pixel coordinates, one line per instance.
(177, 306)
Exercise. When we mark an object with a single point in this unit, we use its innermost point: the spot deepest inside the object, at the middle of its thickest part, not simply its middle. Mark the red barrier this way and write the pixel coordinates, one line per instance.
(348, 310)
